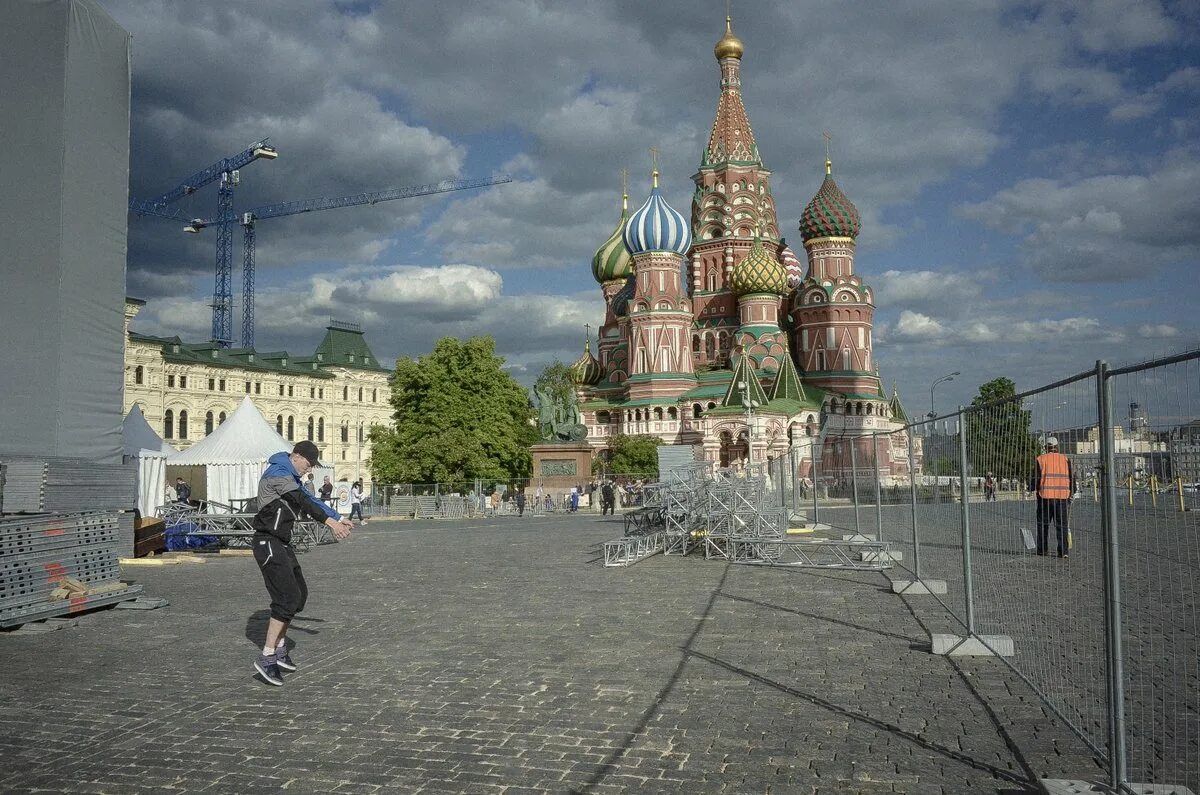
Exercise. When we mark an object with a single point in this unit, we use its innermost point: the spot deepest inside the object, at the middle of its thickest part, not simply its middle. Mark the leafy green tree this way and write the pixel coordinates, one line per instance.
(555, 380)
(999, 439)
(458, 416)
(630, 454)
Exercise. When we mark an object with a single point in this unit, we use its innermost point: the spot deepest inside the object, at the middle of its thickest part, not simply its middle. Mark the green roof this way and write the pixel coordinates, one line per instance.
(744, 373)
(345, 346)
(338, 340)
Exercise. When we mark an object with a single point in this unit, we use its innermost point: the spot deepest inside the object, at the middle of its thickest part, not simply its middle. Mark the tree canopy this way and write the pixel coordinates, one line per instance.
(458, 416)
(635, 455)
(999, 439)
(555, 380)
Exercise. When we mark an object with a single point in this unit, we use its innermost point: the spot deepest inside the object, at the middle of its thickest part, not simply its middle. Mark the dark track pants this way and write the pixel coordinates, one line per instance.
(282, 575)
(1052, 511)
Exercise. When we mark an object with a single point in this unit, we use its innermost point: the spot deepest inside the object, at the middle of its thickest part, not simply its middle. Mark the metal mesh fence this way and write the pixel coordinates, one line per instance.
(1157, 522)
(1095, 582)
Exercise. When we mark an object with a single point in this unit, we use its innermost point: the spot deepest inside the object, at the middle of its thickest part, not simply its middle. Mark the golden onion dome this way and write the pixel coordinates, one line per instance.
(586, 370)
(730, 46)
(759, 272)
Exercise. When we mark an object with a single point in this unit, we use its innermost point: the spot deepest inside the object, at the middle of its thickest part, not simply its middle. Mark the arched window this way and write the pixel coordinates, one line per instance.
(696, 410)
(360, 394)
(312, 426)
(221, 418)
(374, 395)
(139, 374)
(320, 429)
(169, 424)
(672, 413)
(345, 432)
(345, 393)
(360, 433)
(603, 417)
(658, 415)
(183, 429)
(710, 347)
(291, 426)
(695, 344)
(279, 424)
(208, 423)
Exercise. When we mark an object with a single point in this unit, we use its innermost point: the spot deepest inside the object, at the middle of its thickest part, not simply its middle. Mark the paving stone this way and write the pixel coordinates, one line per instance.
(442, 659)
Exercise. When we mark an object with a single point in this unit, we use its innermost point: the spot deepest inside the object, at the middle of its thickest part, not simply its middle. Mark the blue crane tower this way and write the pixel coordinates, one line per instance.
(227, 171)
(225, 219)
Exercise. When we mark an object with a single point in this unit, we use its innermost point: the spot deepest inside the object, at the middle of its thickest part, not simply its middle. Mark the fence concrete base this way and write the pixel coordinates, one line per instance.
(893, 555)
(1062, 786)
(858, 537)
(918, 587)
(956, 646)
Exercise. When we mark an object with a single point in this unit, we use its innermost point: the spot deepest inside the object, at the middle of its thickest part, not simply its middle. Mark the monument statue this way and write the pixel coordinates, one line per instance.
(558, 420)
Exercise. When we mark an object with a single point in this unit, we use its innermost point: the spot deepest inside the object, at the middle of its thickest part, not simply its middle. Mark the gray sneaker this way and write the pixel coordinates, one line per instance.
(268, 669)
(284, 660)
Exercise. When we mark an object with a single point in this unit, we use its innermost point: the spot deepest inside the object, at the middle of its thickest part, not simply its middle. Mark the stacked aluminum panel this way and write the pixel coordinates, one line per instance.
(65, 485)
(38, 554)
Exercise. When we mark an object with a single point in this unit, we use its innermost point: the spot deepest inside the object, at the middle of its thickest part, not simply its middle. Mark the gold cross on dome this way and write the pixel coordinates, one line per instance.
(827, 138)
(654, 164)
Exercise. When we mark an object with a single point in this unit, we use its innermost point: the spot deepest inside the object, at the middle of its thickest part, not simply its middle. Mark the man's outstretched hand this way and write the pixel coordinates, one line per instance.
(341, 529)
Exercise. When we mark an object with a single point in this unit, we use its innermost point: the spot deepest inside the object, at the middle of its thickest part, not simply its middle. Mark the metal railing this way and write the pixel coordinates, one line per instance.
(1099, 593)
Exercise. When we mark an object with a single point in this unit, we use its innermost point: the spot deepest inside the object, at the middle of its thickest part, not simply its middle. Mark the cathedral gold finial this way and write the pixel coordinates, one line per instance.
(730, 46)
(624, 189)
(587, 341)
(828, 162)
(654, 164)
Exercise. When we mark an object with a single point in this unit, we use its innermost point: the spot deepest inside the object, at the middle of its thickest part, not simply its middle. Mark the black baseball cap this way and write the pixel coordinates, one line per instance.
(309, 451)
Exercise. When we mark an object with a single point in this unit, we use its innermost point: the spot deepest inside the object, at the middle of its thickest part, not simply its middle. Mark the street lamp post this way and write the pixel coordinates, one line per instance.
(950, 377)
(749, 404)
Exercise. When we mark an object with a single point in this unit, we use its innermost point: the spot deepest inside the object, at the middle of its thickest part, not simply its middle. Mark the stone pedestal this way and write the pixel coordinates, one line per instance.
(557, 466)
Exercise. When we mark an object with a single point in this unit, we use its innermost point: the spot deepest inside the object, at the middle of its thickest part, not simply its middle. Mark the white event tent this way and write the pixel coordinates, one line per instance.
(145, 447)
(231, 458)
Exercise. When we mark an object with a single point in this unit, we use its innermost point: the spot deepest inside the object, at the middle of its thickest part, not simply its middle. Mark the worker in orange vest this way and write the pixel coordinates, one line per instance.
(1054, 483)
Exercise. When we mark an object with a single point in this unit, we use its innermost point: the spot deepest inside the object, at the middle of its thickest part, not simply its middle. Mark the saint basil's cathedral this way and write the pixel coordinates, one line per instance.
(703, 316)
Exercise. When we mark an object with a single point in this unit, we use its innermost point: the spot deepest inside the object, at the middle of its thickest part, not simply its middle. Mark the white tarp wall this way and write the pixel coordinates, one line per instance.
(64, 154)
(147, 450)
(233, 456)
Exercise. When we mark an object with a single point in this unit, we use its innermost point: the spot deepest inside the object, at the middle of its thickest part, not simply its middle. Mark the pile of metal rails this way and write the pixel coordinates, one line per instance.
(735, 516)
(61, 536)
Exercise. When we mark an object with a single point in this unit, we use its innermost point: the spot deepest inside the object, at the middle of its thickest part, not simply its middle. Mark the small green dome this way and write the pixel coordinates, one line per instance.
(586, 370)
(612, 261)
(759, 272)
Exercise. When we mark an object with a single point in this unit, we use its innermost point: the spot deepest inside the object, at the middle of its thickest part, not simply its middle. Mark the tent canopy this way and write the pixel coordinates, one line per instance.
(245, 437)
(137, 435)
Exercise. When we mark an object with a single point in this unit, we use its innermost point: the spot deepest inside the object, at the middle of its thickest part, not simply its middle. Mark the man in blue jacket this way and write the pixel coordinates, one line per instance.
(282, 501)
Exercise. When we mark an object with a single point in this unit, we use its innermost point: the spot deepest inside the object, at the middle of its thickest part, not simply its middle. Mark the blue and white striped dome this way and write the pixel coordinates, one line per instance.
(657, 226)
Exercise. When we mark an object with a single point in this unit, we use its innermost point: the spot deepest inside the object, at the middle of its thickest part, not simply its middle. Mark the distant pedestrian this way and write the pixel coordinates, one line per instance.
(183, 492)
(1054, 484)
(356, 500)
(283, 501)
(607, 498)
(989, 488)
(327, 491)
(574, 499)
(520, 501)
(495, 500)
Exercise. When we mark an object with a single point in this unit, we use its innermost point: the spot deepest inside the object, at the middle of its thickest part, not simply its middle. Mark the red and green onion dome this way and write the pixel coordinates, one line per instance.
(791, 265)
(586, 370)
(759, 272)
(830, 213)
(612, 261)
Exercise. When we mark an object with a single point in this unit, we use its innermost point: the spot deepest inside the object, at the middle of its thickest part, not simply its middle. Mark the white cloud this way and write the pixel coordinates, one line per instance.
(1158, 331)
(915, 326)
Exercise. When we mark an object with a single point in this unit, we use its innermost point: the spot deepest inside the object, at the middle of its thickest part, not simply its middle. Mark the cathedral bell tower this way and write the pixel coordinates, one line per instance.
(732, 199)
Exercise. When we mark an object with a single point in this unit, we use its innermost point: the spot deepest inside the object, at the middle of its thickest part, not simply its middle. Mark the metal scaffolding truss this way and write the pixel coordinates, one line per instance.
(811, 553)
(628, 550)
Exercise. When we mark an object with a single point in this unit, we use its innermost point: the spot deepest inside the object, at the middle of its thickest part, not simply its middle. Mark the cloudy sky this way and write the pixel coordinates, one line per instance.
(1028, 172)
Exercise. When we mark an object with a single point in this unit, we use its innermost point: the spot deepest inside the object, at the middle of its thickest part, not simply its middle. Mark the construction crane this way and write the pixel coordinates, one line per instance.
(222, 325)
(228, 171)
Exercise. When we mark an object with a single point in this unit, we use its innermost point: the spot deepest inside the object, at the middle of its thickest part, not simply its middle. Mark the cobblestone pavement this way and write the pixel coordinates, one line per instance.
(502, 657)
